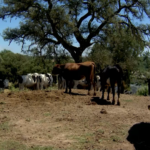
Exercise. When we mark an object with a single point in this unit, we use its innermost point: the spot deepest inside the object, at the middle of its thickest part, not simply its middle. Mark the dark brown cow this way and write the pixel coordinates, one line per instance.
(76, 71)
(113, 75)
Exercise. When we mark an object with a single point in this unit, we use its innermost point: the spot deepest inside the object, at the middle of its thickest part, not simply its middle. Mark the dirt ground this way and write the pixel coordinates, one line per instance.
(70, 122)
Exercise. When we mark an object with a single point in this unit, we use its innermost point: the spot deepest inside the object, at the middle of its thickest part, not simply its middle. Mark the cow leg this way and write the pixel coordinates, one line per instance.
(22, 87)
(94, 88)
(108, 91)
(58, 83)
(66, 86)
(37, 86)
(103, 90)
(118, 102)
(34, 87)
(70, 84)
(113, 92)
(41, 86)
(89, 87)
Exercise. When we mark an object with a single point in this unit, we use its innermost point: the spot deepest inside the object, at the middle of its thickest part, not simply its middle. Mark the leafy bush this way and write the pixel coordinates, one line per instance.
(12, 87)
(143, 91)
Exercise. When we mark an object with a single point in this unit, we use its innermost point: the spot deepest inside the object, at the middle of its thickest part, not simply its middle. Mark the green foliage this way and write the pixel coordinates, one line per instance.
(13, 65)
(101, 56)
(143, 91)
(119, 47)
(13, 88)
(17, 64)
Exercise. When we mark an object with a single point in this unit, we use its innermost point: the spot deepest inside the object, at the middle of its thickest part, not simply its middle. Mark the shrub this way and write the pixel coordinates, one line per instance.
(143, 91)
(12, 87)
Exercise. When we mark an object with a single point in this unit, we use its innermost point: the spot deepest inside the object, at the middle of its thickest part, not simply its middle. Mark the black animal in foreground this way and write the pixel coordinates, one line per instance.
(110, 76)
(139, 136)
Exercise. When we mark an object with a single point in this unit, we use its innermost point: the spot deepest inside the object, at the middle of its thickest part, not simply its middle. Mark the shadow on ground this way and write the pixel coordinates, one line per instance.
(100, 101)
(139, 136)
(75, 94)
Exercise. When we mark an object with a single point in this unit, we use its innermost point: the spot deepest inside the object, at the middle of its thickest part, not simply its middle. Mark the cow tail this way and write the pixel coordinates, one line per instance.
(94, 74)
(121, 77)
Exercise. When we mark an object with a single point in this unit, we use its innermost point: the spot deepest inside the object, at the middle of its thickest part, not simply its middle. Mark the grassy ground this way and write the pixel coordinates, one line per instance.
(53, 120)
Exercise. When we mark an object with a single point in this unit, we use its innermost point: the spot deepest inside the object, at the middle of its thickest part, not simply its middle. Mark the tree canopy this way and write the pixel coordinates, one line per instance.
(74, 24)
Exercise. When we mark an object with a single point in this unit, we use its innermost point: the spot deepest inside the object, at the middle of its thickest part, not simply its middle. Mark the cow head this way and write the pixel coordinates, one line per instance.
(49, 77)
(57, 69)
(35, 77)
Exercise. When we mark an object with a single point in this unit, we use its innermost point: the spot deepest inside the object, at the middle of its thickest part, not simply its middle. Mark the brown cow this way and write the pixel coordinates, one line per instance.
(76, 71)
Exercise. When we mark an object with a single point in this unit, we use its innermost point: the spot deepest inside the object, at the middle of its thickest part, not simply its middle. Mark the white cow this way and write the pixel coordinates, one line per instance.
(44, 81)
(77, 84)
(80, 84)
(29, 81)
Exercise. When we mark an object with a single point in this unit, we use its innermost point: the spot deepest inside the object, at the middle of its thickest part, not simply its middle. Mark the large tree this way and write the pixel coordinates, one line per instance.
(74, 24)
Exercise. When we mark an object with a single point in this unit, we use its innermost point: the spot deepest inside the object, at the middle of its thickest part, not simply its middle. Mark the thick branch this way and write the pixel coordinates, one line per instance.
(94, 33)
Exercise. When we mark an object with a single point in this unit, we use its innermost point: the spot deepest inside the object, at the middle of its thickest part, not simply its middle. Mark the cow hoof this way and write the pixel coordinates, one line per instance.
(113, 102)
(118, 103)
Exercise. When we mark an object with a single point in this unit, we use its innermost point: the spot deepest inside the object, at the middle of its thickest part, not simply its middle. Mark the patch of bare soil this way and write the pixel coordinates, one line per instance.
(76, 121)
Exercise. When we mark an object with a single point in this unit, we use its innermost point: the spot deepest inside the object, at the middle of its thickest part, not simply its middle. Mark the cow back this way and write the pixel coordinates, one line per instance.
(77, 71)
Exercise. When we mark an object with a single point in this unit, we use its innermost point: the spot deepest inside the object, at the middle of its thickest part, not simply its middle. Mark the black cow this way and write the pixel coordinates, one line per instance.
(1, 83)
(109, 77)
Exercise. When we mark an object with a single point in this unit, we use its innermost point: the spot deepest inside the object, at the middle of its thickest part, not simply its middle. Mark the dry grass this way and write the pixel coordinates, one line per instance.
(53, 120)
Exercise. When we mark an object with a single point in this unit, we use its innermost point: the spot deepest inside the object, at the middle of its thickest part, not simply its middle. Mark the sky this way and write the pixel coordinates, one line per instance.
(12, 23)
(5, 44)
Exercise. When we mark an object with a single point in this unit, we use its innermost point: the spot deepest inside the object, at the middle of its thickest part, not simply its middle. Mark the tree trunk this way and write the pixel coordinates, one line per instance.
(77, 57)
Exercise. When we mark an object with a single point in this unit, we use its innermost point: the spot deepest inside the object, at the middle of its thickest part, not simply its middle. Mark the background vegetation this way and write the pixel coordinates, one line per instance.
(136, 67)
(60, 31)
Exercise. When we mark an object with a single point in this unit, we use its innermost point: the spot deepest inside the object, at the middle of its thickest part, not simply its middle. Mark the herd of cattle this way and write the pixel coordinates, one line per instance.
(85, 72)
(74, 75)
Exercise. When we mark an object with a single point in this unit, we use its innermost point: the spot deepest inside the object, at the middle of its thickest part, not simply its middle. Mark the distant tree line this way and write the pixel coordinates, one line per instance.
(135, 65)
(12, 65)
(134, 61)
